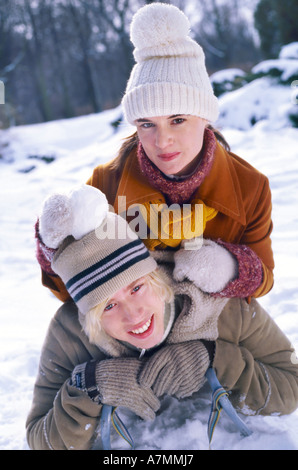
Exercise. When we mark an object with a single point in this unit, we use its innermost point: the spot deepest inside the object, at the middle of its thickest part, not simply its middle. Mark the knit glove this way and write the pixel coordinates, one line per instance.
(210, 268)
(178, 369)
(114, 382)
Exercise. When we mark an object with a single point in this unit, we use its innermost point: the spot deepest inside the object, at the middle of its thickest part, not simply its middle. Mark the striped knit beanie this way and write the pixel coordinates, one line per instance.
(170, 75)
(97, 252)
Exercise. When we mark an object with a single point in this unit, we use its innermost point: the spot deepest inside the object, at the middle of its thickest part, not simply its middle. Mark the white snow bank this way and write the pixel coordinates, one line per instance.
(226, 75)
(263, 99)
(287, 67)
(290, 51)
(259, 100)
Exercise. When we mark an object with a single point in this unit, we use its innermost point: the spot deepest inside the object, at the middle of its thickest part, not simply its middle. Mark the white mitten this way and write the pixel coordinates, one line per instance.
(210, 268)
(76, 213)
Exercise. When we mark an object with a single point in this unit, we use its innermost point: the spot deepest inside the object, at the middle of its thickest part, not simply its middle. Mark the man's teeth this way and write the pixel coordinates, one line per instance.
(143, 329)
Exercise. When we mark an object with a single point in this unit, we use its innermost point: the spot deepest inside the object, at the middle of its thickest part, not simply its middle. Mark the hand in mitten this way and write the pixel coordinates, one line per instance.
(178, 369)
(210, 268)
(114, 382)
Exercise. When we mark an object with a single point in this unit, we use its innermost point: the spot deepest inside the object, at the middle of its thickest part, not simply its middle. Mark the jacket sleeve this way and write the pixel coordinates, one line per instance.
(255, 361)
(56, 286)
(61, 417)
(257, 234)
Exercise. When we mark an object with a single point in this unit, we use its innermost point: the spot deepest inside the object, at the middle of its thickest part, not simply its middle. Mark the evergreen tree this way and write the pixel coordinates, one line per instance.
(287, 19)
(276, 22)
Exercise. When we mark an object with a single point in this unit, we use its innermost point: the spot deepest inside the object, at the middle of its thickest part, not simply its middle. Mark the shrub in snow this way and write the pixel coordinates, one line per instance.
(293, 116)
(285, 68)
(227, 80)
(269, 92)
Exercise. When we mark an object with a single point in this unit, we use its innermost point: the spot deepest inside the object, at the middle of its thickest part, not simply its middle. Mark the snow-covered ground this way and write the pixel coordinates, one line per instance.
(77, 146)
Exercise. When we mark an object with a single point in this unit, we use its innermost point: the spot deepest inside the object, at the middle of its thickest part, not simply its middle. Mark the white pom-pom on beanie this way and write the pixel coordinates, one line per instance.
(90, 208)
(158, 25)
(170, 75)
(56, 220)
(75, 214)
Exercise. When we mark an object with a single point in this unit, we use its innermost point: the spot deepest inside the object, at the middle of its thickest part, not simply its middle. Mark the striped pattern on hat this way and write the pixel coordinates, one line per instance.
(106, 269)
(93, 269)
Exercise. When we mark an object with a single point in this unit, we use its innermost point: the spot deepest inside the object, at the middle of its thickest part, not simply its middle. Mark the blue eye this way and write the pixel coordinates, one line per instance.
(178, 121)
(147, 125)
(109, 307)
(137, 288)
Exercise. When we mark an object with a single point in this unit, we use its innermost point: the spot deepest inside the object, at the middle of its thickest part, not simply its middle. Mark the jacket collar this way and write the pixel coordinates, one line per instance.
(220, 189)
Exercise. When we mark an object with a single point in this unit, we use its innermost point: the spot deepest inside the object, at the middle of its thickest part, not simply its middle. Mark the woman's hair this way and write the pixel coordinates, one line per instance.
(91, 321)
(132, 141)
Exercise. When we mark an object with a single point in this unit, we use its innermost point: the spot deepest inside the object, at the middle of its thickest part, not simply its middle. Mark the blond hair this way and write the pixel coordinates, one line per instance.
(91, 321)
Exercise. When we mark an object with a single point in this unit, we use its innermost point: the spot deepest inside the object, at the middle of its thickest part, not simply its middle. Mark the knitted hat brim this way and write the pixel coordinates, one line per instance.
(165, 99)
(94, 269)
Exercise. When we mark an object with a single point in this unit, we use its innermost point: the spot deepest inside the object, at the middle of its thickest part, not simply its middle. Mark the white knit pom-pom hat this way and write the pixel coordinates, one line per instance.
(170, 75)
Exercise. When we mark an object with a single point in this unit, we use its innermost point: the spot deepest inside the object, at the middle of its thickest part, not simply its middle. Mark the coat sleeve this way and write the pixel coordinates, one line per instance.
(255, 361)
(257, 234)
(61, 417)
(56, 286)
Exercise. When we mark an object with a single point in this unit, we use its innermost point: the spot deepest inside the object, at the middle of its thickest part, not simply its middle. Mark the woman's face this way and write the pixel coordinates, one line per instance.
(135, 314)
(172, 143)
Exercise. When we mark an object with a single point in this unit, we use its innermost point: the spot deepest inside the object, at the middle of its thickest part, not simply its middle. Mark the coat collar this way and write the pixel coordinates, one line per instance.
(220, 189)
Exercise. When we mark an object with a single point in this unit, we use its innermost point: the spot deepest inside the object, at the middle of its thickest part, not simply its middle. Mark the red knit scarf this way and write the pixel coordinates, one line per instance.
(179, 191)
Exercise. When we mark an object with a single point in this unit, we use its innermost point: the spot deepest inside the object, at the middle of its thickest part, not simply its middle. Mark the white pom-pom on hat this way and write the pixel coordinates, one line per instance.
(77, 214)
(157, 24)
(56, 220)
(90, 207)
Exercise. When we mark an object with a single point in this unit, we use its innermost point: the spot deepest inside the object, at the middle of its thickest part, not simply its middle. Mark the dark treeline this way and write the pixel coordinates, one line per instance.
(64, 58)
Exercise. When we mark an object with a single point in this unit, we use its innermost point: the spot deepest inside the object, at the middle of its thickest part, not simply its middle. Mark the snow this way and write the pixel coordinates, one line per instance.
(290, 51)
(78, 145)
(262, 100)
(265, 99)
(289, 68)
(226, 75)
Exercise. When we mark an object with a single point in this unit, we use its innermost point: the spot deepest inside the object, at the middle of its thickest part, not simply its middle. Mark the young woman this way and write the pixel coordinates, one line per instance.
(133, 334)
(176, 157)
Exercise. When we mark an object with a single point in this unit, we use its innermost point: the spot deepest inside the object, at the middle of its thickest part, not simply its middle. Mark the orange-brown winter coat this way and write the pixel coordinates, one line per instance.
(239, 192)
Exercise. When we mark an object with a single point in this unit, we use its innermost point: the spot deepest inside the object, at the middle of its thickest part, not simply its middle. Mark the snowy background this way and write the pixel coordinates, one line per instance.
(38, 159)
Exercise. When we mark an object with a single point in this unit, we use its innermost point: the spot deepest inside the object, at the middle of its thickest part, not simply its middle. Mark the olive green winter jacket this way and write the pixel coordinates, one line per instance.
(253, 359)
